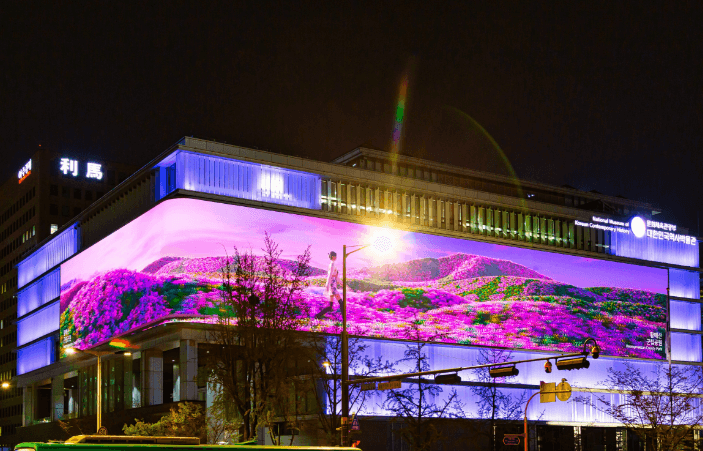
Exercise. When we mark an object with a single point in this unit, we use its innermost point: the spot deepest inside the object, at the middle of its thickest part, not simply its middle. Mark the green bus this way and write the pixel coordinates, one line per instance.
(134, 443)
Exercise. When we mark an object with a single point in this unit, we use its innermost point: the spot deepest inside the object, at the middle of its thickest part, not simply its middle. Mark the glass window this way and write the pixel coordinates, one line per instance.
(88, 195)
(65, 211)
(76, 211)
(77, 193)
(65, 191)
(54, 190)
(53, 228)
(53, 209)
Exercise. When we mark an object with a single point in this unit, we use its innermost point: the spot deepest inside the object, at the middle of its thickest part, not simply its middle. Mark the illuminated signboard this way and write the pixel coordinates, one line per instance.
(165, 265)
(640, 228)
(69, 166)
(25, 171)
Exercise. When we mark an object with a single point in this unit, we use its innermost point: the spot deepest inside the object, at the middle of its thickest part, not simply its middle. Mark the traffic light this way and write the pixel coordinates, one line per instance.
(447, 379)
(504, 371)
(547, 366)
(575, 363)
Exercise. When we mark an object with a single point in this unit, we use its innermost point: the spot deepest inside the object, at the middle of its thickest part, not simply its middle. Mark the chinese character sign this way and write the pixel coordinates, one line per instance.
(94, 171)
(69, 166)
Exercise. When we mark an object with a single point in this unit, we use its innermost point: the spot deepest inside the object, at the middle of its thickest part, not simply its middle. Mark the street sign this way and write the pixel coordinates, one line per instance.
(368, 386)
(512, 439)
(563, 390)
(389, 385)
(355, 424)
(546, 392)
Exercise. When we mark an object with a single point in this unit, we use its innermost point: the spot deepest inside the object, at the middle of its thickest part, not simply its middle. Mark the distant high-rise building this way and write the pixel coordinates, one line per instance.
(48, 190)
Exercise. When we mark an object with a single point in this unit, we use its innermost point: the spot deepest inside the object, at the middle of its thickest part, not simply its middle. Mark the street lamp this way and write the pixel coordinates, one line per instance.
(5, 385)
(381, 244)
(99, 393)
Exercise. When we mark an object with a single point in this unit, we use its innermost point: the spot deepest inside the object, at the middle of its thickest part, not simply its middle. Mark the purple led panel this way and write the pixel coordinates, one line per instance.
(241, 179)
(167, 262)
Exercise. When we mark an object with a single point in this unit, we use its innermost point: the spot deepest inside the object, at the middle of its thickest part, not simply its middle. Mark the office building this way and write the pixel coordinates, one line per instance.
(472, 262)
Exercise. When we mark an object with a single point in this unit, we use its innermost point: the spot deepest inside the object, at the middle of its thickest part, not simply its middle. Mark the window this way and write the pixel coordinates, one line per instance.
(77, 193)
(76, 211)
(65, 211)
(88, 195)
(53, 228)
(65, 191)
(54, 190)
(53, 209)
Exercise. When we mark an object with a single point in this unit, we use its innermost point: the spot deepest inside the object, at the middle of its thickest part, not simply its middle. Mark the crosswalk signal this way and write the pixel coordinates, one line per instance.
(575, 363)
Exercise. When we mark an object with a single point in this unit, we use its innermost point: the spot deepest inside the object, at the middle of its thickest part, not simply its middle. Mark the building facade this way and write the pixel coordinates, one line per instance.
(49, 190)
(474, 262)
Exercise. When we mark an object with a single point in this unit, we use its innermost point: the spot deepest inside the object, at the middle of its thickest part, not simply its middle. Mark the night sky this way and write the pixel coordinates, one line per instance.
(597, 96)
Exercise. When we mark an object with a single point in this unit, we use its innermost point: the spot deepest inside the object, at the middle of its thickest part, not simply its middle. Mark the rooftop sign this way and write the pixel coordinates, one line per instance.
(639, 227)
(25, 171)
(69, 166)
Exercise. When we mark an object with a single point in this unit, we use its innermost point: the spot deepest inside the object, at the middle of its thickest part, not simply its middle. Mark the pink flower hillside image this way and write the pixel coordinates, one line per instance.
(440, 289)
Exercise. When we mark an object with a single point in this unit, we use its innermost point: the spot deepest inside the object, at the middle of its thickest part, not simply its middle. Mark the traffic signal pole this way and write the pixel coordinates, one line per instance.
(365, 380)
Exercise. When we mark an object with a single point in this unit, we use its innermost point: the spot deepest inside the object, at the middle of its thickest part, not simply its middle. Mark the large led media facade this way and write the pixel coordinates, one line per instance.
(166, 266)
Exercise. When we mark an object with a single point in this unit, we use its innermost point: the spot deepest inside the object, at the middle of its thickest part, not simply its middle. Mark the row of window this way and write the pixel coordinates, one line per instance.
(17, 206)
(18, 223)
(11, 392)
(508, 189)
(9, 266)
(8, 320)
(7, 286)
(10, 429)
(11, 411)
(78, 193)
(9, 339)
(17, 242)
(457, 216)
(65, 210)
(8, 357)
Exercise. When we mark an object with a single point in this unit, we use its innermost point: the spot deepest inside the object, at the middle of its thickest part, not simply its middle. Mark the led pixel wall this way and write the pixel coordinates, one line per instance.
(167, 262)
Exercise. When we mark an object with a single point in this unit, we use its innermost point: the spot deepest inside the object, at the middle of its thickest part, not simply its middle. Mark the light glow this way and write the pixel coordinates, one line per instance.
(638, 227)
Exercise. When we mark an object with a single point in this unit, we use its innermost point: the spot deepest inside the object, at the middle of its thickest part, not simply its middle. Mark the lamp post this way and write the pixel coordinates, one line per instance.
(99, 392)
(381, 244)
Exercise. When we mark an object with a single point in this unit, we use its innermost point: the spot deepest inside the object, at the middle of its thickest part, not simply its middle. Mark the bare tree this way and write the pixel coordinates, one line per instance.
(494, 404)
(417, 406)
(328, 381)
(256, 342)
(662, 407)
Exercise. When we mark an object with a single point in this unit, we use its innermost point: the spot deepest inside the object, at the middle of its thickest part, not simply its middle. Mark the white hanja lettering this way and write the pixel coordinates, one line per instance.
(94, 171)
(69, 166)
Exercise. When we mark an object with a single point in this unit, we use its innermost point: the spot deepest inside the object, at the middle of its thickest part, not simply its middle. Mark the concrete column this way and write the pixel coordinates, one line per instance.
(28, 395)
(152, 363)
(127, 382)
(464, 218)
(404, 208)
(358, 200)
(57, 397)
(185, 387)
(457, 227)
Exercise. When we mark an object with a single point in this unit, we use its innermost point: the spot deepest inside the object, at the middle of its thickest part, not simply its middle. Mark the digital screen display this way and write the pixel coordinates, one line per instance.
(166, 265)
